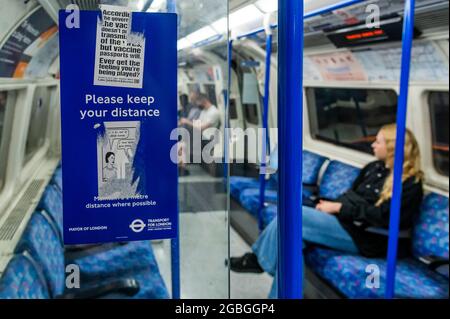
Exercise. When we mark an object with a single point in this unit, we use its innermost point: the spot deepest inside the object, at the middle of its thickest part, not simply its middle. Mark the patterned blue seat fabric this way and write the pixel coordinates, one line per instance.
(249, 197)
(44, 245)
(347, 272)
(312, 163)
(57, 178)
(52, 203)
(337, 179)
(132, 261)
(430, 234)
(100, 263)
(21, 280)
(239, 183)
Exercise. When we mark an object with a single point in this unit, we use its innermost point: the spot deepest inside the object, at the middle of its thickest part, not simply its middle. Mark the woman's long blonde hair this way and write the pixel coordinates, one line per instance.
(411, 164)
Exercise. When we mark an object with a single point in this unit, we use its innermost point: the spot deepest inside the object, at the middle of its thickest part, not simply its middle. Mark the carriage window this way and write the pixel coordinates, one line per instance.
(438, 102)
(350, 117)
(211, 93)
(7, 101)
(38, 123)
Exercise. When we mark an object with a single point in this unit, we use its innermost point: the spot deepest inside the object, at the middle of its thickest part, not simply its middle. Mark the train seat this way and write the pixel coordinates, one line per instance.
(57, 178)
(240, 183)
(312, 163)
(43, 244)
(22, 280)
(414, 278)
(87, 255)
(337, 179)
(135, 256)
(51, 202)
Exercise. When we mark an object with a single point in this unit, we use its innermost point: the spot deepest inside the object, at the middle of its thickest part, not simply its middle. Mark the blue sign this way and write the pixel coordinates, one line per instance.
(118, 109)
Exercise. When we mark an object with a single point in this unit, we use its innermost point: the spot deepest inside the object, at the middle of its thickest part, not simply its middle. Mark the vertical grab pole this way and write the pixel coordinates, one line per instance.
(290, 132)
(394, 225)
(265, 120)
(175, 243)
(227, 94)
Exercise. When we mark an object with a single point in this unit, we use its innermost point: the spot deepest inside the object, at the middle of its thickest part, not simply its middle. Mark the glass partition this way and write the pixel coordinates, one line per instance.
(199, 147)
(203, 191)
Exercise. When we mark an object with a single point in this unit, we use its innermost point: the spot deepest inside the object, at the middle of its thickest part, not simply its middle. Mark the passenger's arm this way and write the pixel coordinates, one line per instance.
(356, 208)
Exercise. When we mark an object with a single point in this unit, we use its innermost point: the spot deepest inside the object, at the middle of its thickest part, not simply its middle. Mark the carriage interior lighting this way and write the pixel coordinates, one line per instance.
(267, 6)
(244, 15)
(156, 5)
(183, 44)
(201, 35)
(220, 25)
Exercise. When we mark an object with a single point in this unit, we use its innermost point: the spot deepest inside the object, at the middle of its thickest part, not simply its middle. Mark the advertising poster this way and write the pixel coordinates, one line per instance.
(118, 109)
(339, 66)
(25, 46)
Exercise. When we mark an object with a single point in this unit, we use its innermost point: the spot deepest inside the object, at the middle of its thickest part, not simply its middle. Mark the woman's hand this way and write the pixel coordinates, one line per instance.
(329, 207)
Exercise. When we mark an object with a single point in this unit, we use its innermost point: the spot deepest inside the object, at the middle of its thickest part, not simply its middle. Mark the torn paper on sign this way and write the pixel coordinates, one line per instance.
(119, 53)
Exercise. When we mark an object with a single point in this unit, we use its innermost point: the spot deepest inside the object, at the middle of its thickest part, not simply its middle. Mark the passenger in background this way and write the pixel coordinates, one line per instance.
(209, 118)
(190, 108)
(190, 113)
(348, 224)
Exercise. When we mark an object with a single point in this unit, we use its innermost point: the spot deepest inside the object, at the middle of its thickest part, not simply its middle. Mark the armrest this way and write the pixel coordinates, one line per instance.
(434, 262)
(127, 287)
(402, 234)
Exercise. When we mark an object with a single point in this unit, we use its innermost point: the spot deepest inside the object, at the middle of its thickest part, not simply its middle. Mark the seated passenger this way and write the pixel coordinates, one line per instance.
(190, 113)
(209, 118)
(343, 225)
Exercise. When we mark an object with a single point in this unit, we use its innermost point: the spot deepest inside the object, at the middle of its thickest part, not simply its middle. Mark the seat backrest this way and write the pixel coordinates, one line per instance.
(52, 203)
(43, 244)
(57, 178)
(430, 233)
(22, 280)
(312, 163)
(337, 179)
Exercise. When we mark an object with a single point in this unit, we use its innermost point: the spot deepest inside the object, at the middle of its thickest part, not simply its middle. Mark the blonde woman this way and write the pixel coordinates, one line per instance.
(347, 223)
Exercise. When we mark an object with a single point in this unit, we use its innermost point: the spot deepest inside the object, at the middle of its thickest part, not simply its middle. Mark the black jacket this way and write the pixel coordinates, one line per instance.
(359, 210)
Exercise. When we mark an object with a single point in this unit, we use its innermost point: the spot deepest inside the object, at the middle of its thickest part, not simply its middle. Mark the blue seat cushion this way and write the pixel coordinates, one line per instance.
(337, 179)
(52, 203)
(41, 241)
(151, 286)
(240, 183)
(430, 234)
(133, 256)
(311, 167)
(249, 199)
(57, 178)
(21, 280)
(347, 273)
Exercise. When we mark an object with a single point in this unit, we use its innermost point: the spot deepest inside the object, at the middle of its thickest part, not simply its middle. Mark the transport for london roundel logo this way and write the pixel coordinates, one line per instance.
(137, 225)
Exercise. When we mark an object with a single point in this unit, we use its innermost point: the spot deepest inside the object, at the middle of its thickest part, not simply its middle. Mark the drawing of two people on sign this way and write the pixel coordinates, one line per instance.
(116, 151)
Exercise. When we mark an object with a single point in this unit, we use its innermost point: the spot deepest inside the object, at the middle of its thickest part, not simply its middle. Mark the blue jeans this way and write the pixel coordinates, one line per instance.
(318, 228)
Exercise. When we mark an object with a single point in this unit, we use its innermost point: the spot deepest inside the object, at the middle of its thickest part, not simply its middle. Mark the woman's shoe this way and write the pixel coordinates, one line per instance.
(246, 264)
